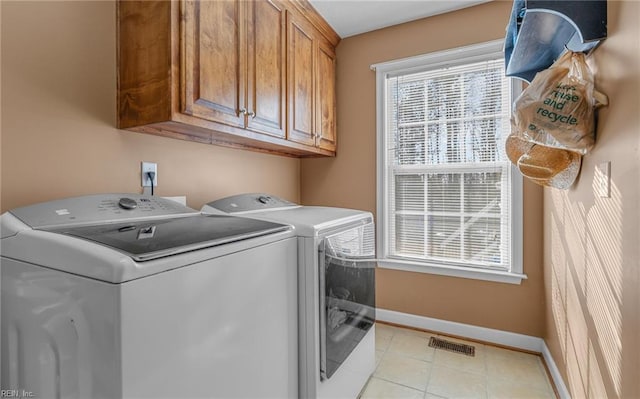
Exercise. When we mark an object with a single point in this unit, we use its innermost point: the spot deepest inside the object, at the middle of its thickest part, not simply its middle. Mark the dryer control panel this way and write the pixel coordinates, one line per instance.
(249, 203)
(101, 208)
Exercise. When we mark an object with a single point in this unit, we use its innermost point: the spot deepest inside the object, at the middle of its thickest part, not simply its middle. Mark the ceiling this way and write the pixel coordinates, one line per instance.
(352, 17)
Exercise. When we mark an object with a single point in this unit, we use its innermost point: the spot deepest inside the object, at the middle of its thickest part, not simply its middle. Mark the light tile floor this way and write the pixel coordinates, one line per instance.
(406, 367)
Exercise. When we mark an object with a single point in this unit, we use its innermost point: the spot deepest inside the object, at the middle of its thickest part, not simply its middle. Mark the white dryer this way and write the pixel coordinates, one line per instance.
(336, 294)
(129, 296)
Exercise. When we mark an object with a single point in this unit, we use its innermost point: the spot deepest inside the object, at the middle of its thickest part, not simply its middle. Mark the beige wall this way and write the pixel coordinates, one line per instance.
(349, 180)
(58, 139)
(59, 116)
(592, 274)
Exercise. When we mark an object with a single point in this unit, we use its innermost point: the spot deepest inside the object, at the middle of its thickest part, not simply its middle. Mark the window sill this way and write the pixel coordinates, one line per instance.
(453, 271)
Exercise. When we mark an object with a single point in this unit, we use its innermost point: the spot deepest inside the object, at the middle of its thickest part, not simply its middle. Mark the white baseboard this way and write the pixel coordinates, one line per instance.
(563, 392)
(499, 337)
(505, 338)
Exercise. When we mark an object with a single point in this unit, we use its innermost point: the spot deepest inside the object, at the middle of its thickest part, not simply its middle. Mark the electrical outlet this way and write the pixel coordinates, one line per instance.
(146, 168)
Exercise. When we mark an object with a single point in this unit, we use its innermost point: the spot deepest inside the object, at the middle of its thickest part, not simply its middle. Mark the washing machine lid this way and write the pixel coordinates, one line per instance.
(145, 240)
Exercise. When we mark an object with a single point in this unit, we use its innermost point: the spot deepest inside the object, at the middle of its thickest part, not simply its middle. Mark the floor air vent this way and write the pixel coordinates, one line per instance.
(452, 346)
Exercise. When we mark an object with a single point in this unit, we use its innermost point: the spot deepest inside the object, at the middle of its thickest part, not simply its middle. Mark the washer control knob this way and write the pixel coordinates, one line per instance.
(127, 203)
(263, 199)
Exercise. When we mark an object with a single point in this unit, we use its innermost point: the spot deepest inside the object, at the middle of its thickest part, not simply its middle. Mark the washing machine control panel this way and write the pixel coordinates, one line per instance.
(99, 208)
(250, 202)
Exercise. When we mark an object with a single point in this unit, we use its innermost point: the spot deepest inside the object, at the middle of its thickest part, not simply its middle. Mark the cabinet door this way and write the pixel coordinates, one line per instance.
(301, 62)
(266, 67)
(213, 60)
(326, 98)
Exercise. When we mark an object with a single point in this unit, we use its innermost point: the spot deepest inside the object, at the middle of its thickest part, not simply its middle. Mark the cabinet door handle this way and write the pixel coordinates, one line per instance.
(252, 114)
(242, 111)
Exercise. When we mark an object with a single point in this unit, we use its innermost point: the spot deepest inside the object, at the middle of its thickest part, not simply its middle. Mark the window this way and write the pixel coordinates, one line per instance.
(449, 200)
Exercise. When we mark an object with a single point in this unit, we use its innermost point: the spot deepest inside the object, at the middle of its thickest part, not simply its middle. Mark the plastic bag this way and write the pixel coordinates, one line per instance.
(543, 165)
(557, 108)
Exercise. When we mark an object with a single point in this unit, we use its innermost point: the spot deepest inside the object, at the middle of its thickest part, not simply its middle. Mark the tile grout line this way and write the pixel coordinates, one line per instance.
(433, 363)
(399, 383)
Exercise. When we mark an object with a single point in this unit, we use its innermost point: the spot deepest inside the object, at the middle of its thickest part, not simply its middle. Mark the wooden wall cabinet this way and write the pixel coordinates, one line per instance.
(217, 72)
(326, 97)
(312, 101)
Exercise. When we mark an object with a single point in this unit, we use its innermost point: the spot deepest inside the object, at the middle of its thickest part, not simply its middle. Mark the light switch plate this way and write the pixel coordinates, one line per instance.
(602, 179)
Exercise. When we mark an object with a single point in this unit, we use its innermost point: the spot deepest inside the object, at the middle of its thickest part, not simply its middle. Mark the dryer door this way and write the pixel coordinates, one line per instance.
(347, 294)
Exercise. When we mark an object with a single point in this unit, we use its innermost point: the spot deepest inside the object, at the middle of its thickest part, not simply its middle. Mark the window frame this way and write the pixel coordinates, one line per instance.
(441, 59)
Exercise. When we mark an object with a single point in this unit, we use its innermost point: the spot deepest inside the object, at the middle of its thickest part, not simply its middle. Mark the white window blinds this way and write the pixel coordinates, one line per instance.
(447, 179)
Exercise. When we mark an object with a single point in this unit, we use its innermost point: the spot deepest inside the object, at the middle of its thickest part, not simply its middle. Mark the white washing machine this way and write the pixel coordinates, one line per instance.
(336, 252)
(128, 296)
